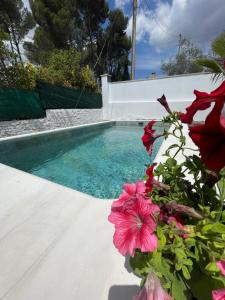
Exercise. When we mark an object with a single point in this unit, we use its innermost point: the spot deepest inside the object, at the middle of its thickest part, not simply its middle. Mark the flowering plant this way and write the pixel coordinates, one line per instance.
(172, 223)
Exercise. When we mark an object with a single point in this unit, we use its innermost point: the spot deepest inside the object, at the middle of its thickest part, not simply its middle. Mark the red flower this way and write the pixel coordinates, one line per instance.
(148, 138)
(202, 102)
(210, 138)
(164, 103)
(151, 181)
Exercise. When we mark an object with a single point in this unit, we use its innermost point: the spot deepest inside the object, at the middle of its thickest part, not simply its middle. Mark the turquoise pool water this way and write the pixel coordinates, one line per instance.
(95, 161)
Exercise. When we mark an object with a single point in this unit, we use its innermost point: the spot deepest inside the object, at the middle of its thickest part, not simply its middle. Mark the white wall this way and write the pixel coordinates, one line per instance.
(132, 100)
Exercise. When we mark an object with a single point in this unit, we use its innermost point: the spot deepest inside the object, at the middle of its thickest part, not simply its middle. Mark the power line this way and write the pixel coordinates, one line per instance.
(162, 26)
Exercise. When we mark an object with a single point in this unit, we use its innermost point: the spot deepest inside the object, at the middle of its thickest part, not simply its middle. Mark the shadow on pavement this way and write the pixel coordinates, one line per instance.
(123, 292)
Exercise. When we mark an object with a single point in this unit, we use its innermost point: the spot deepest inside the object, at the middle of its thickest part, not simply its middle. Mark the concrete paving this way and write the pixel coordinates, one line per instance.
(56, 243)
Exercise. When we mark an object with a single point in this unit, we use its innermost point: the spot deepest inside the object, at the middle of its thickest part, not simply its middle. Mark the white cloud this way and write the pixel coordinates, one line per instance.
(121, 3)
(199, 20)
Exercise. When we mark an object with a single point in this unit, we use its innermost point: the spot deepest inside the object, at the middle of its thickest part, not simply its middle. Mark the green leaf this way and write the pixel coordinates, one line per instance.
(223, 216)
(171, 162)
(212, 268)
(207, 228)
(188, 262)
(183, 139)
(159, 232)
(162, 242)
(186, 273)
(190, 242)
(203, 284)
(210, 64)
(178, 266)
(180, 253)
(179, 289)
(218, 228)
(218, 46)
(140, 263)
(218, 245)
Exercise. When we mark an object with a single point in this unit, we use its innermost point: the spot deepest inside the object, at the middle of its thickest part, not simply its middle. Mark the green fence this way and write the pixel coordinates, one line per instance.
(57, 97)
(20, 104)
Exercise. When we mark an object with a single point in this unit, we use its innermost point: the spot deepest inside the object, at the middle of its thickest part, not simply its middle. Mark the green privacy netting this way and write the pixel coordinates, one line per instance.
(56, 97)
(20, 104)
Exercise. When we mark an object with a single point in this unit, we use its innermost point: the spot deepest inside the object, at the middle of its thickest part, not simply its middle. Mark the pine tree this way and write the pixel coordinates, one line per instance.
(16, 21)
(86, 25)
(115, 57)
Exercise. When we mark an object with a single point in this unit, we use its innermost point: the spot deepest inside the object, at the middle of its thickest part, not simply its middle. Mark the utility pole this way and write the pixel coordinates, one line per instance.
(133, 54)
(180, 42)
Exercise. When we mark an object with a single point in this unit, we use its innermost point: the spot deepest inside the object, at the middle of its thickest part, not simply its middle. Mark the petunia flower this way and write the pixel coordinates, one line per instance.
(152, 290)
(170, 217)
(152, 182)
(130, 191)
(180, 208)
(135, 226)
(218, 294)
(164, 103)
(149, 137)
(221, 265)
(210, 138)
(202, 102)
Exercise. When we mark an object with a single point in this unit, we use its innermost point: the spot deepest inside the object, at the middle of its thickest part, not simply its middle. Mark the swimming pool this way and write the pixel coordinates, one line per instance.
(96, 160)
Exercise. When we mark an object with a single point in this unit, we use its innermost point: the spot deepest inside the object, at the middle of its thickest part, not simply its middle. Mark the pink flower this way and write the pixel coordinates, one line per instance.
(134, 226)
(221, 265)
(218, 294)
(152, 290)
(169, 217)
(148, 138)
(131, 191)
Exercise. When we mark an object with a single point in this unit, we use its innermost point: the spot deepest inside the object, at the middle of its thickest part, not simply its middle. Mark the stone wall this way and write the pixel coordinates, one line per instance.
(58, 118)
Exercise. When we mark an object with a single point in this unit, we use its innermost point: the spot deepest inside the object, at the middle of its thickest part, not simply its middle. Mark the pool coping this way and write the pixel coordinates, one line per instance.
(77, 127)
(54, 131)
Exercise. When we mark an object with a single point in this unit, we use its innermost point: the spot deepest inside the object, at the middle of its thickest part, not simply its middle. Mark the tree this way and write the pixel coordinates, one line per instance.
(185, 60)
(86, 25)
(115, 46)
(6, 56)
(16, 21)
(64, 24)
(216, 63)
(64, 68)
(93, 15)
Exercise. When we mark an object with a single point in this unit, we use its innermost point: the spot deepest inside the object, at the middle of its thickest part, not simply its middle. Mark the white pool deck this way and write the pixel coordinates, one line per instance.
(56, 243)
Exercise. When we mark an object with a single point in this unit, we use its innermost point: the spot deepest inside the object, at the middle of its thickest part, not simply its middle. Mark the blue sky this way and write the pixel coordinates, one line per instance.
(160, 22)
